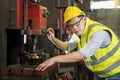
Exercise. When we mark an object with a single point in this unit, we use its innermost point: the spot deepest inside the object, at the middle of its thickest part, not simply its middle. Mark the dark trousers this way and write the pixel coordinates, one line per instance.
(114, 77)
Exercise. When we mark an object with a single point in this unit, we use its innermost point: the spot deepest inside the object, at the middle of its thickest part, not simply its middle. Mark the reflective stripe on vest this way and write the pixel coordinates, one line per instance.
(95, 61)
(103, 72)
(90, 27)
(104, 58)
(115, 65)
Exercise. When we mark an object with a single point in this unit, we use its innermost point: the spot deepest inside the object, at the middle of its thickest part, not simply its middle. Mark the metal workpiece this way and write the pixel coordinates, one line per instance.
(20, 70)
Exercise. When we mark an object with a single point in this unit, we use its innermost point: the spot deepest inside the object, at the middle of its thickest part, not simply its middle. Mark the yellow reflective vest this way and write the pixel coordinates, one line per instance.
(105, 61)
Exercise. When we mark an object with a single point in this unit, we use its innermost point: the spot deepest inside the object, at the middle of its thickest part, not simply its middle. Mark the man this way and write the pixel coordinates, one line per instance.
(98, 46)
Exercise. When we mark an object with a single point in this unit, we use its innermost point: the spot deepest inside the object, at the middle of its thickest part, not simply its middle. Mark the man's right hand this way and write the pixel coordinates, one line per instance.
(51, 33)
(57, 42)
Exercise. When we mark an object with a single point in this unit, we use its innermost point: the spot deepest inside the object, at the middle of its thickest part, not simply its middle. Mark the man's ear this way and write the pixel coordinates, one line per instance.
(84, 18)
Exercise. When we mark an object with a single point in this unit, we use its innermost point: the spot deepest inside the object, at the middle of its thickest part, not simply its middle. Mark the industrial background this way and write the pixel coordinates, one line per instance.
(21, 18)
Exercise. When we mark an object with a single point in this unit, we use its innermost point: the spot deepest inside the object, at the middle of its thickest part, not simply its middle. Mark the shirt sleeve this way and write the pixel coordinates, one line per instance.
(98, 39)
(72, 43)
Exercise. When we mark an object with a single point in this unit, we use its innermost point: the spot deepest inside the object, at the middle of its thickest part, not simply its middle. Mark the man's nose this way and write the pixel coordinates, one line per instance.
(75, 27)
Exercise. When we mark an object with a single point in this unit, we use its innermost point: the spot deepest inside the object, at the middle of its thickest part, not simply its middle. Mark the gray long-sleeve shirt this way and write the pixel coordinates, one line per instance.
(99, 39)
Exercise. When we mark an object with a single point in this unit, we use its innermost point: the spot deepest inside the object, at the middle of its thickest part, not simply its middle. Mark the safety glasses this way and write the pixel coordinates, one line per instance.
(70, 26)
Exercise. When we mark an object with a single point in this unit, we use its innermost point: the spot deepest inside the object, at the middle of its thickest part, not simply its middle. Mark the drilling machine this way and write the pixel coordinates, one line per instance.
(27, 45)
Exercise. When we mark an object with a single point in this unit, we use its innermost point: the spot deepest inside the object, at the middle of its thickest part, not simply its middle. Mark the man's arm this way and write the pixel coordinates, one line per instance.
(95, 43)
(72, 57)
(60, 44)
(51, 35)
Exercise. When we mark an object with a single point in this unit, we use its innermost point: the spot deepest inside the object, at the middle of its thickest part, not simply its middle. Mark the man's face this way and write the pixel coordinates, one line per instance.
(76, 25)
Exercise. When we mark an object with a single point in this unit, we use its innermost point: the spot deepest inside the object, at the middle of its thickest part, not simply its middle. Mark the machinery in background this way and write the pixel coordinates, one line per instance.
(29, 34)
(28, 45)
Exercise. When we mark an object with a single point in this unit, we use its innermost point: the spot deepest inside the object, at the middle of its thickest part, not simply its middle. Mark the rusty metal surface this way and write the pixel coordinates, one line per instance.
(19, 70)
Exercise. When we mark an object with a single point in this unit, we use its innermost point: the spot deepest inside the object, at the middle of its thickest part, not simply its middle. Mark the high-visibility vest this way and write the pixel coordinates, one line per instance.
(105, 61)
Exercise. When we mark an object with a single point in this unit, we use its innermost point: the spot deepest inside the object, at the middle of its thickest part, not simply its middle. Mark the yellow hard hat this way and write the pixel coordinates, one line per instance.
(71, 12)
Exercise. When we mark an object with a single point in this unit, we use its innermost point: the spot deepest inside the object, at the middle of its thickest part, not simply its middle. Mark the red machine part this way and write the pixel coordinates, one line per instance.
(26, 71)
(19, 14)
(35, 17)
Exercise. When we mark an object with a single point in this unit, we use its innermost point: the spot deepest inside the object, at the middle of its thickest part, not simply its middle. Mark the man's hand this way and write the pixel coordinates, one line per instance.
(51, 33)
(43, 66)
